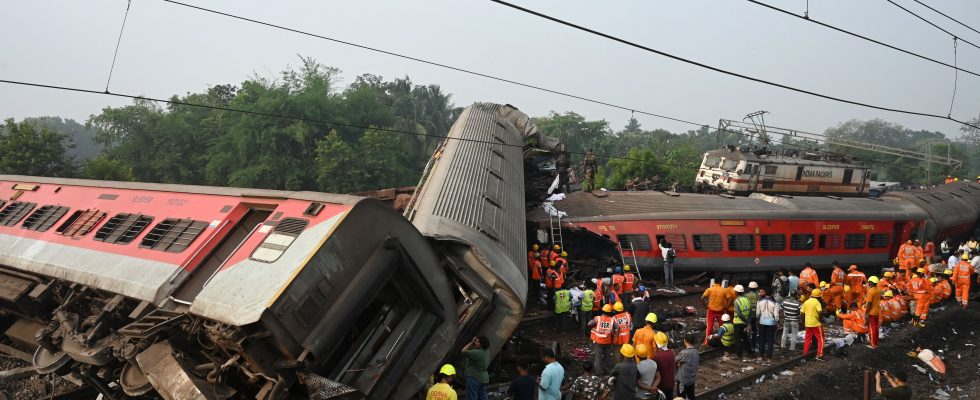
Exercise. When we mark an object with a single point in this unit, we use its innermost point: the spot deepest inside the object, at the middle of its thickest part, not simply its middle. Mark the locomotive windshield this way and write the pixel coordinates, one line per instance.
(729, 165)
(711, 162)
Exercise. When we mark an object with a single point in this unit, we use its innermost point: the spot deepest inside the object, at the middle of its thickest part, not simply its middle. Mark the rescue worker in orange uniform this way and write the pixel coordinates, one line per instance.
(807, 276)
(921, 290)
(624, 325)
(834, 295)
(961, 278)
(929, 251)
(908, 258)
(856, 281)
(533, 254)
(937, 289)
(646, 335)
(603, 328)
(716, 300)
(886, 282)
(949, 179)
(887, 314)
(943, 290)
(854, 321)
(629, 284)
(617, 281)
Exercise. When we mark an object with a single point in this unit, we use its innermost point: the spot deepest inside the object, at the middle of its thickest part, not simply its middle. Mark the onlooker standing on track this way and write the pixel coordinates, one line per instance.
(626, 375)
(687, 368)
(794, 285)
(522, 387)
(669, 254)
(638, 310)
(716, 300)
(811, 321)
(753, 296)
(666, 365)
(872, 304)
(791, 322)
(743, 314)
(648, 377)
(477, 361)
(767, 313)
(549, 384)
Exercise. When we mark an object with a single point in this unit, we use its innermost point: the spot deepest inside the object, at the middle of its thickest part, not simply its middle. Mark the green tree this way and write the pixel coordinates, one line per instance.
(29, 149)
(104, 168)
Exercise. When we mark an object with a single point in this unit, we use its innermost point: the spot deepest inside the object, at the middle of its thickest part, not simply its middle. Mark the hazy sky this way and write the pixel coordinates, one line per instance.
(169, 49)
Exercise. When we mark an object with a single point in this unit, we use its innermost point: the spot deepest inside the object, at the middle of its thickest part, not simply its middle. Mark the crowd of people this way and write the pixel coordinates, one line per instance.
(633, 360)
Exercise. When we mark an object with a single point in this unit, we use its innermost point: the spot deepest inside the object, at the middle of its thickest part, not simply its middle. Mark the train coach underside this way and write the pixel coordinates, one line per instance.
(106, 339)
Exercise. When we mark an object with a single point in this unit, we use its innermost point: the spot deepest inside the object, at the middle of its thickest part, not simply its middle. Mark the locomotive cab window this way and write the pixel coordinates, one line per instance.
(711, 162)
(707, 242)
(854, 241)
(741, 242)
(772, 242)
(879, 240)
(771, 169)
(637, 241)
(676, 240)
(801, 242)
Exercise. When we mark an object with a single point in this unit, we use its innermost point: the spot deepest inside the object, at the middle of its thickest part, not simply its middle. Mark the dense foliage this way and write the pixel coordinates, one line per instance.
(348, 139)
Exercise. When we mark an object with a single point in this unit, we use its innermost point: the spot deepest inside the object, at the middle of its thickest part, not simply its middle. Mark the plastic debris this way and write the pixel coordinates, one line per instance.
(932, 360)
(761, 378)
(922, 370)
(787, 373)
(749, 368)
(940, 394)
(727, 374)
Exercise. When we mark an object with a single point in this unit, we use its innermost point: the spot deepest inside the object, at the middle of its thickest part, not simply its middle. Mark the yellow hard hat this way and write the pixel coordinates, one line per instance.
(564, 254)
(933, 280)
(642, 351)
(618, 306)
(921, 270)
(895, 261)
(552, 263)
(557, 247)
(823, 283)
(948, 272)
(889, 274)
(626, 268)
(965, 256)
(627, 350)
(873, 279)
(816, 293)
(534, 247)
(661, 339)
(447, 369)
(652, 318)
(847, 289)
(606, 308)
(888, 293)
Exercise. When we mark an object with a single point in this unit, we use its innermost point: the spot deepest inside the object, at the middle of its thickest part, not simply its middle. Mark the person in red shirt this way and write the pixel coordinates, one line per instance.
(666, 365)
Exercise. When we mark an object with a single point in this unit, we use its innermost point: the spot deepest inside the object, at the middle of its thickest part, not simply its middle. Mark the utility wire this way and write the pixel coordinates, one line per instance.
(724, 71)
(933, 25)
(173, 101)
(859, 36)
(118, 41)
(956, 78)
(947, 16)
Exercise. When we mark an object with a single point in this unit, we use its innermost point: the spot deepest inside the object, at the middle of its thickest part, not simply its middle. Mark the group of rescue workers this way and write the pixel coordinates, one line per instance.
(615, 309)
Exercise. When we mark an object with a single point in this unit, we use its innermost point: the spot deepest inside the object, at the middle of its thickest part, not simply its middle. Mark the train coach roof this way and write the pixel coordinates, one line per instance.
(581, 206)
(194, 189)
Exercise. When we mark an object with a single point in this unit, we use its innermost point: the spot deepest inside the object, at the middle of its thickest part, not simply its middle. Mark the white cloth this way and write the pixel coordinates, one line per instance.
(556, 197)
(554, 185)
(576, 296)
(549, 207)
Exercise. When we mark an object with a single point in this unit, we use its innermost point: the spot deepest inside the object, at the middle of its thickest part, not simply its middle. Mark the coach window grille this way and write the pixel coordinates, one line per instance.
(638, 242)
(123, 228)
(707, 242)
(173, 235)
(879, 240)
(741, 242)
(13, 213)
(854, 241)
(80, 223)
(771, 169)
(831, 241)
(677, 241)
(772, 242)
(281, 237)
(44, 218)
(801, 242)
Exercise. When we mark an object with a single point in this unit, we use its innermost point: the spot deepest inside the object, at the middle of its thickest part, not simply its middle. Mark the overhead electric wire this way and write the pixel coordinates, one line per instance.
(727, 72)
(933, 25)
(859, 36)
(297, 118)
(112, 66)
(947, 16)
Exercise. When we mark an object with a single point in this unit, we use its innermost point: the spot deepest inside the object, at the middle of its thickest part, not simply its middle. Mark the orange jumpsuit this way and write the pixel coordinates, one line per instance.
(961, 278)
(808, 275)
(929, 251)
(941, 291)
(834, 295)
(617, 283)
(856, 280)
(920, 290)
(907, 259)
(855, 322)
(886, 311)
(903, 306)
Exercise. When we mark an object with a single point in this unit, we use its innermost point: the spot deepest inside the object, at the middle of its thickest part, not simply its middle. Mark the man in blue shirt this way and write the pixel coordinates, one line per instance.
(549, 384)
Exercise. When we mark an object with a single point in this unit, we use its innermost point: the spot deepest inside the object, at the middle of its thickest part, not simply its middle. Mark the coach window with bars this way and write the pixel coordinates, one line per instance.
(634, 242)
(772, 242)
(123, 228)
(741, 242)
(274, 245)
(677, 241)
(801, 242)
(80, 223)
(13, 213)
(707, 242)
(879, 240)
(854, 241)
(831, 241)
(173, 235)
(44, 218)
(770, 170)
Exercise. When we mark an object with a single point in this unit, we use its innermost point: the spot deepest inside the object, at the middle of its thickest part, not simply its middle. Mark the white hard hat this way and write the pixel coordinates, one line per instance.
(753, 285)
(739, 289)
(594, 280)
(726, 317)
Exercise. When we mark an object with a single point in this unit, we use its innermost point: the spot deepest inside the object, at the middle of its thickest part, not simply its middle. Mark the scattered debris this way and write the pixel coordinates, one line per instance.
(787, 373)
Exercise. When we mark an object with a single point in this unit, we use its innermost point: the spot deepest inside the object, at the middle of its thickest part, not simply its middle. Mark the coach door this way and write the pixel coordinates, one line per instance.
(240, 232)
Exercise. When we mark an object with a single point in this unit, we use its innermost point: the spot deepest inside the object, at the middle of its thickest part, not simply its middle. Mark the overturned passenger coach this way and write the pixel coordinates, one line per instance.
(181, 292)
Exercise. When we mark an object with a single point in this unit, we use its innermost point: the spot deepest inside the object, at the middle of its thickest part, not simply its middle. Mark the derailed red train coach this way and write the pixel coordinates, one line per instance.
(767, 232)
